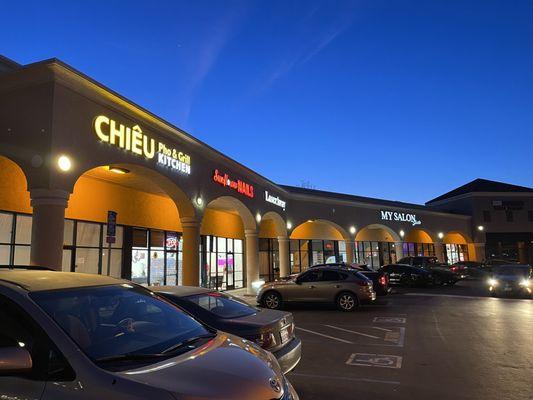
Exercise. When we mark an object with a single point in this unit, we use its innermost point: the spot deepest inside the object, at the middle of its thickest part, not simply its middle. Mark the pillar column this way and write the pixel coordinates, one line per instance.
(191, 251)
(252, 259)
(439, 253)
(349, 251)
(480, 252)
(522, 253)
(47, 229)
(398, 248)
(284, 260)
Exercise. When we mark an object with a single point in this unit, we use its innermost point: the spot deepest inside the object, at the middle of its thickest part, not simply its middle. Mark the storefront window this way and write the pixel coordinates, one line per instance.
(221, 263)
(375, 254)
(268, 259)
(455, 253)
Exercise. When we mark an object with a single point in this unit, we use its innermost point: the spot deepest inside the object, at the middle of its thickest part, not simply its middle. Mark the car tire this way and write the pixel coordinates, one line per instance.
(347, 301)
(272, 300)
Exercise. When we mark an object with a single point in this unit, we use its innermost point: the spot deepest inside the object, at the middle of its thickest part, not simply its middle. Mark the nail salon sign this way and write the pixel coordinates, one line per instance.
(400, 217)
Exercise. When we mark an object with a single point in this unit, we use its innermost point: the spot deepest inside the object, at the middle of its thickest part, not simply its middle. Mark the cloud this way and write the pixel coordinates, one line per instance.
(310, 45)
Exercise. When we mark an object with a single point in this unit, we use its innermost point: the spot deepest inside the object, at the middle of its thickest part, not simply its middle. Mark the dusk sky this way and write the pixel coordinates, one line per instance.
(402, 100)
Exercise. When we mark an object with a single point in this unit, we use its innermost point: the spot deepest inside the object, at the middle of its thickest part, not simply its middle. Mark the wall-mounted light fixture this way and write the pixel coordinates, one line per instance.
(199, 201)
(64, 163)
(289, 225)
(402, 233)
(352, 230)
(440, 235)
(258, 217)
(480, 228)
(117, 170)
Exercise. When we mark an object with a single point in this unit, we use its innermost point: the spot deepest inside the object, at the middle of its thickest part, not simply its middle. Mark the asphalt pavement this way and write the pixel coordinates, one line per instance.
(436, 343)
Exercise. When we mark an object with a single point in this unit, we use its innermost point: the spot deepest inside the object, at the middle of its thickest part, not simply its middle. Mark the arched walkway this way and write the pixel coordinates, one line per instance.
(229, 232)
(377, 245)
(274, 259)
(154, 242)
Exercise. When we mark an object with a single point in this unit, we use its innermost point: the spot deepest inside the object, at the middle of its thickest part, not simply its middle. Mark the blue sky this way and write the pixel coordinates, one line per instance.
(401, 100)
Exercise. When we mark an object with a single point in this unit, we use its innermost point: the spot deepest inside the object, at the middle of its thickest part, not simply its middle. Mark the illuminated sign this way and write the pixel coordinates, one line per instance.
(274, 200)
(235, 184)
(133, 139)
(399, 216)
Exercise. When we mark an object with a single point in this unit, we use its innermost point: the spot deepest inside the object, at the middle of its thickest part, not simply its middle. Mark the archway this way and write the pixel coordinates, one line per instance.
(456, 248)
(318, 241)
(15, 214)
(149, 246)
(229, 234)
(377, 245)
(419, 242)
(273, 247)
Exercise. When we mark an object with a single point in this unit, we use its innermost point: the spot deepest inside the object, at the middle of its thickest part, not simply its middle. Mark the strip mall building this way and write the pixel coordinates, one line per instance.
(72, 150)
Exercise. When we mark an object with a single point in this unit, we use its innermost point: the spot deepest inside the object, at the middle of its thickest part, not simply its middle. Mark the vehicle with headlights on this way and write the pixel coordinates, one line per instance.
(344, 287)
(74, 336)
(271, 329)
(513, 279)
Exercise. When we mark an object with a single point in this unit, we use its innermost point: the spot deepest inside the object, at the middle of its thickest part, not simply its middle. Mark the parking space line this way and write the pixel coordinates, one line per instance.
(344, 378)
(326, 336)
(382, 329)
(354, 332)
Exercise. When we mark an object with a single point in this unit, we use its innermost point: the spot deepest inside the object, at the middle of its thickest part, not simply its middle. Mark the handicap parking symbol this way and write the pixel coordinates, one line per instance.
(389, 320)
(375, 360)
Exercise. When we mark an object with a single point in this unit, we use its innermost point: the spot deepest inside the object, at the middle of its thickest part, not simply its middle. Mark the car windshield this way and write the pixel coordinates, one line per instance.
(515, 270)
(110, 322)
(221, 305)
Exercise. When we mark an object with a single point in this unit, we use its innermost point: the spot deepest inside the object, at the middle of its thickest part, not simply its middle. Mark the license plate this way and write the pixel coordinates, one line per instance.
(284, 335)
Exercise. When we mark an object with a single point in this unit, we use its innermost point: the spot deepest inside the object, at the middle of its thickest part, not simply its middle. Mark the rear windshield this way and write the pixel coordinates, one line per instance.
(222, 305)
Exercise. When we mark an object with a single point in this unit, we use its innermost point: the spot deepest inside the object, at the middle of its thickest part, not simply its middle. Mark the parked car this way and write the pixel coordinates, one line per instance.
(271, 329)
(512, 279)
(468, 268)
(495, 262)
(80, 336)
(339, 285)
(442, 274)
(380, 282)
(407, 275)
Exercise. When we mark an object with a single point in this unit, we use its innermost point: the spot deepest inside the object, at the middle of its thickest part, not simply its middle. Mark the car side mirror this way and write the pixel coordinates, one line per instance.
(14, 360)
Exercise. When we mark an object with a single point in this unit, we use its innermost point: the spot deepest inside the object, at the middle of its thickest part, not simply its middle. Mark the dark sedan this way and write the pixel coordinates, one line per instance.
(442, 273)
(406, 275)
(272, 330)
(511, 280)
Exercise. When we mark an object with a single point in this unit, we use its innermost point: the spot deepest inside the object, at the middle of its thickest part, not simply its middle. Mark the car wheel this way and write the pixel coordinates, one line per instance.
(347, 302)
(272, 300)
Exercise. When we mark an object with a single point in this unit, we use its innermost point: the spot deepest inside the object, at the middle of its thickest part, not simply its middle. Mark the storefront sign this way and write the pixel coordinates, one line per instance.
(134, 140)
(398, 216)
(239, 186)
(274, 200)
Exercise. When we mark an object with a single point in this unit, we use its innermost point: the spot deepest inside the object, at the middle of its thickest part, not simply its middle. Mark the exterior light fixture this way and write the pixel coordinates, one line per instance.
(289, 225)
(402, 233)
(199, 201)
(64, 163)
(258, 217)
(441, 235)
(352, 230)
(309, 220)
(480, 228)
(117, 170)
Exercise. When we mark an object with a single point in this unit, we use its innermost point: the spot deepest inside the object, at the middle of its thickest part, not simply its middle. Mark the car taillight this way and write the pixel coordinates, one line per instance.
(266, 340)
(383, 280)
(453, 269)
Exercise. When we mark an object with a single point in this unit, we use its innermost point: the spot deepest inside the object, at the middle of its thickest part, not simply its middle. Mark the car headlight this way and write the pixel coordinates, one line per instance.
(493, 282)
(525, 282)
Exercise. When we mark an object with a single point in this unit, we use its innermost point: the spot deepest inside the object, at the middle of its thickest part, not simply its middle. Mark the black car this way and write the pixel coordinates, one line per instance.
(442, 273)
(407, 275)
(272, 330)
(380, 281)
(512, 279)
(468, 268)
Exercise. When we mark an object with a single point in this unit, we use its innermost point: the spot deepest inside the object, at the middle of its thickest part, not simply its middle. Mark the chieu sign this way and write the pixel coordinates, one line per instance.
(399, 216)
(134, 140)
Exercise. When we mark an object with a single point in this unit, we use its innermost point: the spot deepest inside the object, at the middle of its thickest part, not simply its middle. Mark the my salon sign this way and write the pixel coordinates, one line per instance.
(399, 217)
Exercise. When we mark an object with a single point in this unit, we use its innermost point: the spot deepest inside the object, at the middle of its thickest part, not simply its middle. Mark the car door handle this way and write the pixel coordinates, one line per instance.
(312, 286)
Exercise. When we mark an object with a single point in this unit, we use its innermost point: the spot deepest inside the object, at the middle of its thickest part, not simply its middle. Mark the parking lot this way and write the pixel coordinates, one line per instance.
(443, 343)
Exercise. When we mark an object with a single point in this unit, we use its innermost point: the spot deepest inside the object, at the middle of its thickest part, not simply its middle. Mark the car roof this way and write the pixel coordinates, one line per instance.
(180, 291)
(40, 280)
